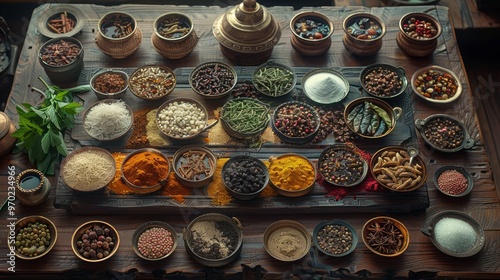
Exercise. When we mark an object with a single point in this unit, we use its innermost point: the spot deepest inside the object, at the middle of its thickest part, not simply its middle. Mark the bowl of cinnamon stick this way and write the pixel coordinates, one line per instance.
(60, 21)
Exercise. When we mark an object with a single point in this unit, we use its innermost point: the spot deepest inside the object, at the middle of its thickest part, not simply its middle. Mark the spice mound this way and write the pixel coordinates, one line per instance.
(108, 120)
(335, 239)
(452, 182)
(152, 82)
(60, 53)
(384, 236)
(444, 133)
(287, 243)
(96, 242)
(455, 235)
(181, 119)
(436, 85)
(364, 29)
(393, 170)
(382, 82)
(146, 169)
(155, 243)
(33, 239)
(213, 239)
(88, 169)
(369, 119)
(291, 172)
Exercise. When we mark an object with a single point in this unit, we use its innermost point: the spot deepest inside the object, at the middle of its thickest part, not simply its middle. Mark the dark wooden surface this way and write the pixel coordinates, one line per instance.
(421, 256)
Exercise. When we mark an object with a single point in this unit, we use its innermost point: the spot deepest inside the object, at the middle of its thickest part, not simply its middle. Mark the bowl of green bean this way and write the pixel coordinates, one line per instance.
(274, 79)
(245, 118)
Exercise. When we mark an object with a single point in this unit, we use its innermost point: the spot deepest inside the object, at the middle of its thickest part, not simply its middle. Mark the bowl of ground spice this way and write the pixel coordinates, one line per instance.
(154, 240)
(245, 177)
(418, 34)
(385, 236)
(453, 181)
(291, 175)
(363, 33)
(213, 80)
(152, 82)
(213, 239)
(95, 241)
(88, 169)
(145, 170)
(455, 233)
(444, 133)
(436, 84)
(296, 122)
(342, 165)
(108, 119)
(383, 80)
(287, 240)
(174, 36)
(194, 166)
(336, 238)
(27, 231)
(274, 79)
(109, 84)
(325, 86)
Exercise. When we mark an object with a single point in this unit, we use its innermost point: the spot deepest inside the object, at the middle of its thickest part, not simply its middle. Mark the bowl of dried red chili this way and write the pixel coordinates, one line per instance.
(385, 236)
(453, 181)
(436, 84)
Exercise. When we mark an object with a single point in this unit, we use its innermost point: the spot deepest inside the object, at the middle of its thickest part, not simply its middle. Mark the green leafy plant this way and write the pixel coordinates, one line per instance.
(41, 128)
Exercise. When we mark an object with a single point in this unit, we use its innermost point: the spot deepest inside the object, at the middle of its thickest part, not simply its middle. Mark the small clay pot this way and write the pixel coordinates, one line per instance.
(174, 47)
(412, 45)
(362, 45)
(32, 187)
(117, 47)
(311, 46)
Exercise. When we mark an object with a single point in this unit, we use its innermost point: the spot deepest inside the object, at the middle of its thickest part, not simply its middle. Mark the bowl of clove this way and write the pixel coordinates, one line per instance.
(386, 236)
(194, 166)
(213, 80)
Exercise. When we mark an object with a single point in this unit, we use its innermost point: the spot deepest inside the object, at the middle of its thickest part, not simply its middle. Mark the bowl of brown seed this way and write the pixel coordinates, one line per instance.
(336, 238)
(152, 82)
(118, 35)
(444, 133)
(109, 84)
(174, 36)
(213, 80)
(386, 236)
(95, 241)
(383, 80)
(194, 166)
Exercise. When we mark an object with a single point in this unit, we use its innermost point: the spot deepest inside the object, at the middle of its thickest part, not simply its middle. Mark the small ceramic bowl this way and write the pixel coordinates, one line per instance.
(174, 43)
(235, 175)
(118, 35)
(444, 133)
(342, 165)
(100, 228)
(418, 34)
(325, 86)
(274, 79)
(236, 128)
(286, 233)
(311, 33)
(213, 80)
(109, 84)
(145, 189)
(372, 235)
(379, 109)
(461, 184)
(288, 188)
(436, 84)
(152, 82)
(363, 33)
(107, 118)
(386, 162)
(383, 80)
(58, 70)
(189, 156)
(49, 243)
(162, 232)
(455, 233)
(229, 231)
(50, 21)
(287, 119)
(335, 238)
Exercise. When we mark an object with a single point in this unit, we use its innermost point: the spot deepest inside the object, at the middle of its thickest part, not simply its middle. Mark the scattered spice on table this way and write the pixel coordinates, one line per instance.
(335, 239)
(88, 170)
(332, 122)
(385, 237)
(364, 29)
(117, 186)
(455, 234)
(452, 182)
(59, 53)
(175, 189)
(153, 133)
(312, 28)
(436, 85)
(216, 190)
(106, 121)
(419, 29)
(291, 172)
(61, 23)
(213, 239)
(139, 138)
(33, 239)
(273, 80)
(287, 243)
(146, 169)
(444, 133)
(155, 242)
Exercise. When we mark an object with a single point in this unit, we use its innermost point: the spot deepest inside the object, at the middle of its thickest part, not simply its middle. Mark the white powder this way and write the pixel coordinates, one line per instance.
(455, 235)
(325, 88)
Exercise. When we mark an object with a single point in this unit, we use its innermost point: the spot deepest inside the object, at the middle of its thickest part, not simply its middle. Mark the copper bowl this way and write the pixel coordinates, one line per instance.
(359, 39)
(311, 44)
(81, 230)
(24, 222)
(413, 45)
(171, 44)
(370, 227)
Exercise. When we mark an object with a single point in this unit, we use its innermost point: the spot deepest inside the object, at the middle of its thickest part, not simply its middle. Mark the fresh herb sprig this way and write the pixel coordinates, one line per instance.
(40, 132)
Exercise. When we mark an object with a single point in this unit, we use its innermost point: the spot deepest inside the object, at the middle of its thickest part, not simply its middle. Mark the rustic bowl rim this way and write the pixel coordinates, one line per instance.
(153, 224)
(37, 218)
(312, 14)
(87, 224)
(294, 193)
(112, 71)
(192, 183)
(461, 169)
(334, 72)
(441, 70)
(272, 64)
(100, 23)
(288, 223)
(163, 67)
(348, 147)
(55, 10)
(399, 70)
(239, 195)
(210, 63)
(66, 38)
(323, 224)
(434, 20)
(296, 140)
(404, 230)
(352, 16)
(108, 101)
(185, 17)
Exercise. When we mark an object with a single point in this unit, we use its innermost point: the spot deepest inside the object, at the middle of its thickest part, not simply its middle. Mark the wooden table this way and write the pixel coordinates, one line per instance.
(421, 259)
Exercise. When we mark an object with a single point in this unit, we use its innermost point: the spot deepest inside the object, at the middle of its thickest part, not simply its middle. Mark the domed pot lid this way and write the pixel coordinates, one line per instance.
(247, 28)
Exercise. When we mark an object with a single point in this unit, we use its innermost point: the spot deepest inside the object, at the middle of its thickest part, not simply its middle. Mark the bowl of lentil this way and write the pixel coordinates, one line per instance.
(62, 59)
(244, 177)
(108, 119)
(154, 240)
(371, 117)
(436, 84)
(336, 238)
(194, 166)
(274, 79)
(385, 236)
(213, 79)
(311, 33)
(109, 84)
(444, 133)
(145, 170)
(213, 239)
(391, 168)
(118, 35)
(383, 80)
(455, 233)
(325, 86)
(182, 118)
(174, 36)
(292, 175)
(152, 82)
(453, 181)
(95, 241)
(88, 169)
(295, 122)
(245, 118)
(61, 21)
(30, 228)
(287, 240)
(342, 165)
(363, 33)
(418, 34)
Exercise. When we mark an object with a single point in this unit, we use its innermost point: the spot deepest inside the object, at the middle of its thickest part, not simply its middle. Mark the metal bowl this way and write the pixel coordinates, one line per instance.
(466, 143)
(23, 222)
(198, 74)
(179, 160)
(230, 128)
(145, 189)
(299, 107)
(385, 70)
(335, 156)
(152, 82)
(148, 226)
(274, 161)
(381, 221)
(107, 101)
(461, 170)
(419, 77)
(274, 74)
(80, 231)
(244, 158)
(109, 95)
(453, 236)
(325, 86)
(296, 230)
(328, 249)
(54, 13)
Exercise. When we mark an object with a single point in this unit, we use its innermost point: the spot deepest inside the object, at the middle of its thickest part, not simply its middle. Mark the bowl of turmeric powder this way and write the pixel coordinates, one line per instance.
(145, 170)
(291, 175)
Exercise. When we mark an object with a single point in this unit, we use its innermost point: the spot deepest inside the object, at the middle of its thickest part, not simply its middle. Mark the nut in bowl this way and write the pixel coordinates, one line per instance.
(109, 84)
(392, 168)
(342, 165)
(26, 247)
(311, 33)
(213, 80)
(363, 33)
(152, 82)
(245, 177)
(386, 236)
(296, 122)
(287, 240)
(383, 80)
(436, 84)
(453, 181)
(145, 170)
(418, 34)
(108, 119)
(444, 133)
(174, 36)
(292, 175)
(194, 166)
(95, 241)
(274, 79)
(154, 240)
(335, 238)
(245, 118)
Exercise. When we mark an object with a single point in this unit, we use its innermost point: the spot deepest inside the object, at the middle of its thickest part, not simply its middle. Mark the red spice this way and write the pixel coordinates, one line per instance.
(452, 182)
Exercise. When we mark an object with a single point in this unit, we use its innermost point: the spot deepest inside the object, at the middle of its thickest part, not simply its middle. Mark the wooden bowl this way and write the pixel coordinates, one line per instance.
(413, 45)
(27, 221)
(152, 225)
(370, 228)
(91, 225)
(123, 45)
(152, 82)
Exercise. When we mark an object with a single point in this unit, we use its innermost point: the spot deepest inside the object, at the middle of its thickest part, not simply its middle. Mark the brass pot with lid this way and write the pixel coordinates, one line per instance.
(7, 142)
(247, 33)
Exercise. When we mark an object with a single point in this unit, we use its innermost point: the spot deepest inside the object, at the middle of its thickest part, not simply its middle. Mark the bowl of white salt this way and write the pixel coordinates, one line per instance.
(455, 233)
(325, 86)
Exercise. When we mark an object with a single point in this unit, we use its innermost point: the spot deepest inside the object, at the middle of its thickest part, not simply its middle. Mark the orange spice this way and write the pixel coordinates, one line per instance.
(116, 185)
(139, 138)
(268, 191)
(175, 189)
(216, 190)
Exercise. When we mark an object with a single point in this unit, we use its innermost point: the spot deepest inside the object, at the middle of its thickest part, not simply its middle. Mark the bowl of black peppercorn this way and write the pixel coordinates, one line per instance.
(336, 238)
(245, 177)
(444, 133)
(295, 122)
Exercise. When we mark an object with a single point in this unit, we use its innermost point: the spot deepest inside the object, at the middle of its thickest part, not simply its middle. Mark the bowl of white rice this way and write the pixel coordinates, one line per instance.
(108, 119)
